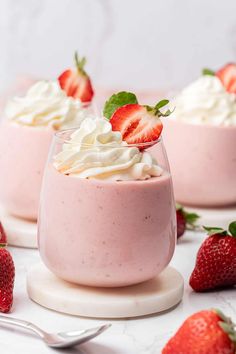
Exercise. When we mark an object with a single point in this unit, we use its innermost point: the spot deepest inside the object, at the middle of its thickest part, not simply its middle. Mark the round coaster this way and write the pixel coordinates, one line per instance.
(220, 217)
(20, 232)
(153, 296)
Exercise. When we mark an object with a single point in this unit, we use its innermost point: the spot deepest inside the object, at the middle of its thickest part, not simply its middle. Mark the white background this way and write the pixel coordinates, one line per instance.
(138, 44)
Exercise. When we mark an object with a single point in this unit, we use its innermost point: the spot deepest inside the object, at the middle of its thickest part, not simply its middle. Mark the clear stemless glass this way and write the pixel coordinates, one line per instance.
(105, 232)
(200, 139)
(23, 155)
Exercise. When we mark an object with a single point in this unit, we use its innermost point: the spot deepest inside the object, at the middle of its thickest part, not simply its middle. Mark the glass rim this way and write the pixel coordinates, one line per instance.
(59, 136)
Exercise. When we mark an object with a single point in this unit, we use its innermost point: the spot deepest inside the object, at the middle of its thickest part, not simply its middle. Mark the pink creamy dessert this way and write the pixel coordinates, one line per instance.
(203, 163)
(107, 214)
(200, 139)
(25, 136)
(23, 153)
(102, 233)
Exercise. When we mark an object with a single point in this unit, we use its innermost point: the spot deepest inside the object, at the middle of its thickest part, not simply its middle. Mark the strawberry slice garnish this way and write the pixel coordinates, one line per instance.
(227, 76)
(138, 124)
(76, 82)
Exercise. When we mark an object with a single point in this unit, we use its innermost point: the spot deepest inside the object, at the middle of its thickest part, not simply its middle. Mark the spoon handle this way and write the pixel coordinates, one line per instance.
(21, 323)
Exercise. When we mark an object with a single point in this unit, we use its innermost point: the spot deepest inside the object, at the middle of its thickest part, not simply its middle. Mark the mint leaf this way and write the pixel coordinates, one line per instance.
(215, 230)
(118, 100)
(207, 71)
(232, 228)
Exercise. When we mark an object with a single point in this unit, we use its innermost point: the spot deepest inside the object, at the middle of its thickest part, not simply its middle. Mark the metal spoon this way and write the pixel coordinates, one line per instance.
(57, 340)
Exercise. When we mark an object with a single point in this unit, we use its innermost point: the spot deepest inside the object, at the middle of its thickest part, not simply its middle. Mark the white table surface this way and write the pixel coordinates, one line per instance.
(137, 336)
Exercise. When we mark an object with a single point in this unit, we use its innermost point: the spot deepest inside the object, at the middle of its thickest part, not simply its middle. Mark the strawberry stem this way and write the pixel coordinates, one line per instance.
(156, 109)
(2, 245)
(80, 63)
(207, 71)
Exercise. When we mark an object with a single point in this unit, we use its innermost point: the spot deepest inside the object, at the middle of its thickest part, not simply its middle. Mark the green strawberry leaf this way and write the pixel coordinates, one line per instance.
(232, 228)
(191, 218)
(207, 71)
(118, 100)
(161, 104)
(156, 109)
(215, 230)
(227, 325)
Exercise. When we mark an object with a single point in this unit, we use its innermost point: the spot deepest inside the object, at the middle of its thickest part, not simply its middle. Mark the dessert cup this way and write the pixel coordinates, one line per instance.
(23, 153)
(200, 139)
(105, 233)
(203, 162)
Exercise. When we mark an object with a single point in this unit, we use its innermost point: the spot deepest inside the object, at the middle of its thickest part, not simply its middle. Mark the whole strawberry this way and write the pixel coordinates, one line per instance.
(216, 260)
(7, 275)
(205, 332)
(184, 220)
(3, 237)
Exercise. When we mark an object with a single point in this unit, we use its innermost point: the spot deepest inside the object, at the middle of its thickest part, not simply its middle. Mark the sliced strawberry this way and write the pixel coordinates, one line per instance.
(76, 82)
(136, 124)
(139, 124)
(227, 76)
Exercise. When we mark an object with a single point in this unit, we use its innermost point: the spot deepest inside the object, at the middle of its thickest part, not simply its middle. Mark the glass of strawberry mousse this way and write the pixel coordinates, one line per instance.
(107, 213)
(200, 139)
(26, 132)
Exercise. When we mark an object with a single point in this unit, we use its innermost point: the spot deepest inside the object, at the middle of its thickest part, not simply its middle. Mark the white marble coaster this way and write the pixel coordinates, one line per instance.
(153, 296)
(220, 217)
(20, 232)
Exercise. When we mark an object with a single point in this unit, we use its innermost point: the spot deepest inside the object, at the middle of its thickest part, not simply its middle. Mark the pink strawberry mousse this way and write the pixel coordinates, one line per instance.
(203, 163)
(102, 233)
(106, 218)
(23, 153)
(25, 137)
(200, 139)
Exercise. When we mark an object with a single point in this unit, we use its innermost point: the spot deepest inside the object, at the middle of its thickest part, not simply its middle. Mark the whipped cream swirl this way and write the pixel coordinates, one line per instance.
(206, 101)
(46, 104)
(95, 151)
